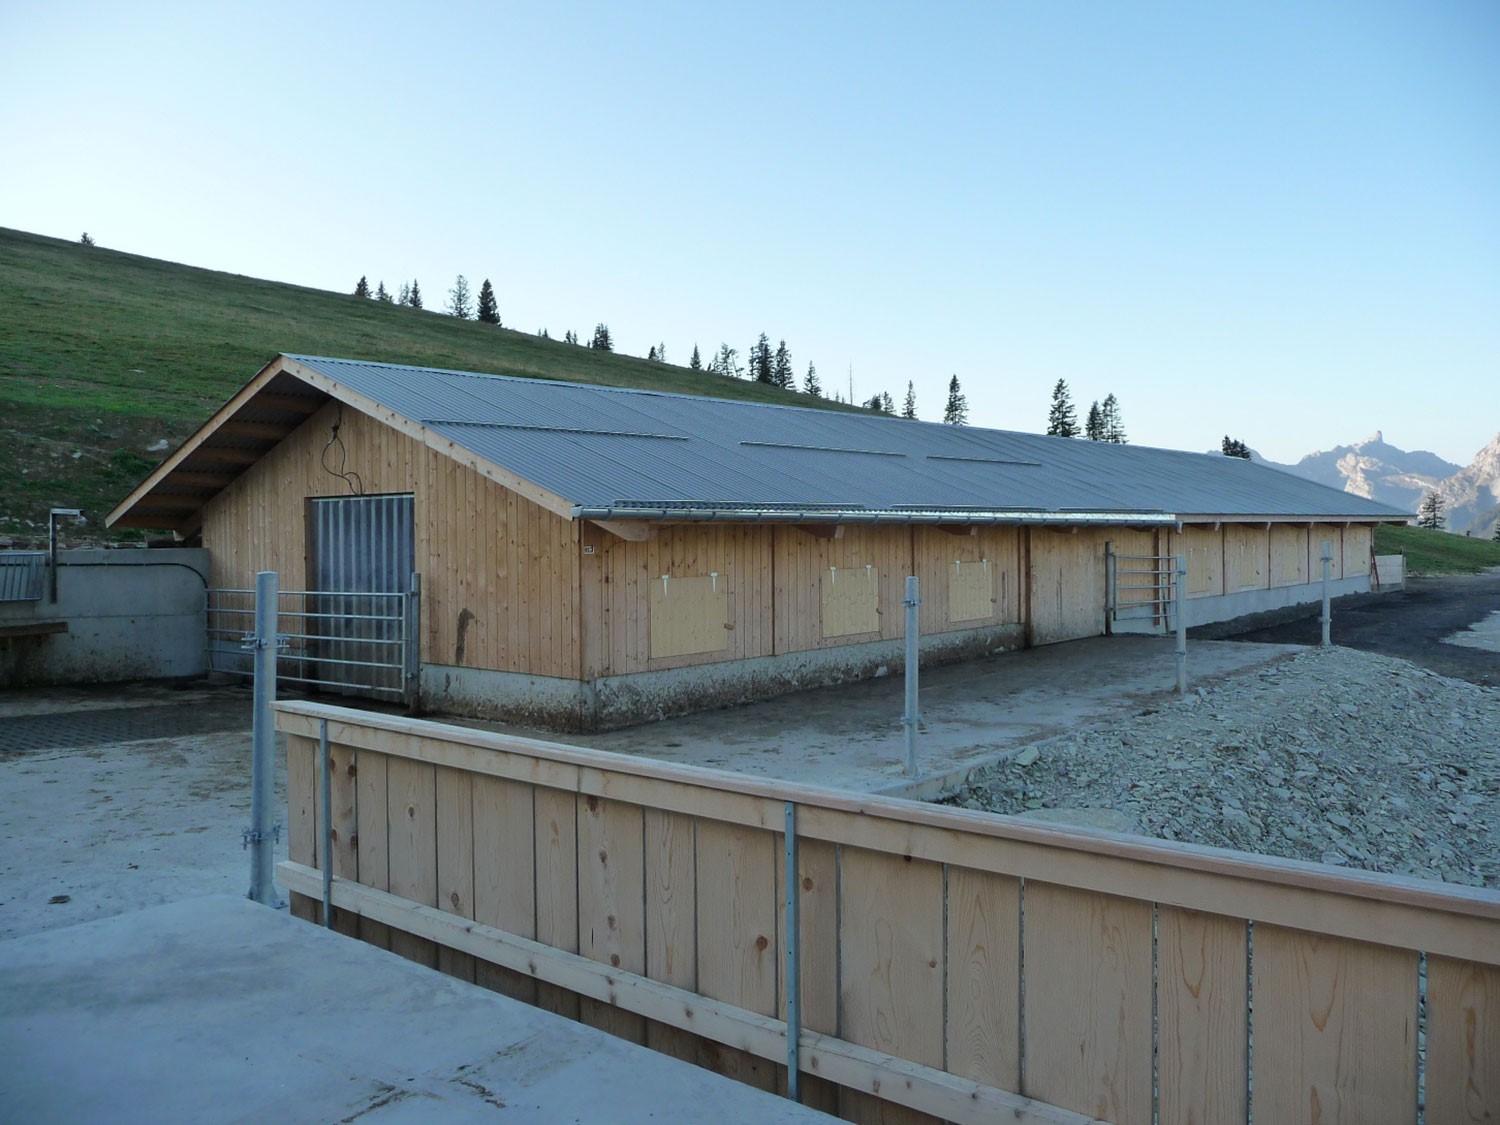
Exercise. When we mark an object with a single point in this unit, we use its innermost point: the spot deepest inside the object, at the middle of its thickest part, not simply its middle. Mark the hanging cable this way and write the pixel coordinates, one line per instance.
(348, 476)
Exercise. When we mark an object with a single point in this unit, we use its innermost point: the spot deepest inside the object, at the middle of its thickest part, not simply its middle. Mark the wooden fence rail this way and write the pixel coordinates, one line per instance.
(953, 965)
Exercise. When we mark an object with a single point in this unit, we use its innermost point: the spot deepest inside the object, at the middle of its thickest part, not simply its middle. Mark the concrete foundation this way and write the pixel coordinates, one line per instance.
(127, 615)
(621, 701)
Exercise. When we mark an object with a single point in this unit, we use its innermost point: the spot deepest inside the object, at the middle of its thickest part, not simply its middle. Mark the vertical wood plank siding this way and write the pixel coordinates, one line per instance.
(1025, 958)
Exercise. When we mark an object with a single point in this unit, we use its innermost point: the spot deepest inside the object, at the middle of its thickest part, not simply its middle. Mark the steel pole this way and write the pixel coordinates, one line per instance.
(325, 813)
(1179, 605)
(262, 834)
(912, 601)
(1327, 602)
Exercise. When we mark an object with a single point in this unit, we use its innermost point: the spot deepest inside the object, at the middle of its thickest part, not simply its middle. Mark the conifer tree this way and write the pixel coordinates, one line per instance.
(1062, 420)
(726, 363)
(544, 334)
(570, 337)
(489, 311)
(1233, 447)
(1430, 514)
(86, 239)
(761, 368)
(909, 407)
(661, 352)
(810, 385)
(415, 300)
(956, 412)
(405, 296)
(781, 369)
(1496, 536)
(887, 403)
(602, 341)
(382, 294)
(459, 304)
(696, 363)
(1093, 429)
(362, 287)
(1114, 427)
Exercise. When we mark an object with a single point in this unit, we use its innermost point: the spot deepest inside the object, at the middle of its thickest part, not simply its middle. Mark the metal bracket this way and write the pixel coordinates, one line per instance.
(250, 836)
(249, 642)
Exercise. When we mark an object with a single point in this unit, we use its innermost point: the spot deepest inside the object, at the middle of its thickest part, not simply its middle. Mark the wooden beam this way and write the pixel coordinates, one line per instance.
(288, 404)
(226, 455)
(632, 531)
(146, 520)
(923, 1088)
(33, 629)
(821, 530)
(214, 481)
(175, 503)
(265, 431)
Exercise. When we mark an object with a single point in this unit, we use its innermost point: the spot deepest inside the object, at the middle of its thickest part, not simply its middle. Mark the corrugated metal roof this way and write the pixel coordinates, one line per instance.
(615, 449)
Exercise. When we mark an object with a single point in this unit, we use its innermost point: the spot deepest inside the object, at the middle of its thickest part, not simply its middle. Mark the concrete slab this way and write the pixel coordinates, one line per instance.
(216, 1009)
(972, 714)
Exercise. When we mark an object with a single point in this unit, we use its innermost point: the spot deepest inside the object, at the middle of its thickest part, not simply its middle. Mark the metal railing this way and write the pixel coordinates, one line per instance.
(341, 641)
(23, 576)
(1139, 590)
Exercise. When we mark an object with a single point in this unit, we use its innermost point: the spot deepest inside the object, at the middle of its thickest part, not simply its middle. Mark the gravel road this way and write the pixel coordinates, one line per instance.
(1336, 756)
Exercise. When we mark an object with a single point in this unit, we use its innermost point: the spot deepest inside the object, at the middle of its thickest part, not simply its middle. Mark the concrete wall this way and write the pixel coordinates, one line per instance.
(618, 701)
(130, 615)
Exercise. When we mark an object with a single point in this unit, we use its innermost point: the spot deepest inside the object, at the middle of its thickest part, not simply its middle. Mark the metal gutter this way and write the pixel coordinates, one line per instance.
(827, 515)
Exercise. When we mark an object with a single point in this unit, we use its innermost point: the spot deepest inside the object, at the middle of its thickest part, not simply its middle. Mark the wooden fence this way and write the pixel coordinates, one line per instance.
(953, 965)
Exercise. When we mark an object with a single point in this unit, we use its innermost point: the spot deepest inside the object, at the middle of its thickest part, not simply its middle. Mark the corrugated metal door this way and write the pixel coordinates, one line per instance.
(361, 556)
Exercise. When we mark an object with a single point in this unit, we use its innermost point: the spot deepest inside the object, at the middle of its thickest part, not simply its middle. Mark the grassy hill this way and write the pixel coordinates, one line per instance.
(1437, 552)
(104, 354)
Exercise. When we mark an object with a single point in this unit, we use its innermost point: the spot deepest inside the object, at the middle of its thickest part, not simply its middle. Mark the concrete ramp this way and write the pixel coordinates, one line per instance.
(218, 1010)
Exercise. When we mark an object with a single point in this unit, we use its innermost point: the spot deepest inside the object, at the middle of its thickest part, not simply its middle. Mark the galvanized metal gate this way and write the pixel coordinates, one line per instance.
(1139, 590)
(356, 630)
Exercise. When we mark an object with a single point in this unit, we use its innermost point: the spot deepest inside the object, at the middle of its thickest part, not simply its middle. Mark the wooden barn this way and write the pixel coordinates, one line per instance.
(594, 556)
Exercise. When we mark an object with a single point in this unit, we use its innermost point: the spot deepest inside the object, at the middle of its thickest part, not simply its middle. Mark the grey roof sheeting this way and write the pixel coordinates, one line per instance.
(620, 453)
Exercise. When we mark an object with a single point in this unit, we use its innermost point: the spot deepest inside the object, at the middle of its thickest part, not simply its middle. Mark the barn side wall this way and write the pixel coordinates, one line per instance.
(499, 573)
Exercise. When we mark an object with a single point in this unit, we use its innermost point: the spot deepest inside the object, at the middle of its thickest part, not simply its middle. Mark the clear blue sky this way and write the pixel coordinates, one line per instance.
(1280, 221)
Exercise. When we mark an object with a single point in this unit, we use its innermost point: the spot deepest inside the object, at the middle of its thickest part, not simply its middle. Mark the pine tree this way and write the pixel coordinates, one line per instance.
(887, 403)
(1114, 427)
(362, 287)
(1496, 536)
(1093, 429)
(1062, 420)
(956, 413)
(570, 337)
(602, 341)
(405, 296)
(810, 385)
(415, 299)
(382, 294)
(651, 355)
(696, 363)
(489, 311)
(761, 369)
(909, 407)
(86, 239)
(726, 363)
(544, 334)
(1430, 514)
(781, 369)
(661, 352)
(459, 302)
(1233, 447)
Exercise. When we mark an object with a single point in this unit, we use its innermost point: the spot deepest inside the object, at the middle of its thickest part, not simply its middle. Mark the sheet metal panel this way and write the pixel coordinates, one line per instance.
(600, 446)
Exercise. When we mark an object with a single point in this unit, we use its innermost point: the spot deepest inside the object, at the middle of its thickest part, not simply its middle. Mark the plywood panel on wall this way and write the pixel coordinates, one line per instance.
(850, 601)
(971, 591)
(1067, 584)
(499, 573)
(1289, 554)
(1204, 548)
(1357, 549)
(1245, 557)
(938, 556)
(619, 576)
(689, 615)
(1333, 535)
(801, 563)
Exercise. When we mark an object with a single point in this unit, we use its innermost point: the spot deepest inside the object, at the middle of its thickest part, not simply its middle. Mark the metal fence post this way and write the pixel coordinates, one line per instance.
(1327, 603)
(793, 880)
(1109, 587)
(264, 832)
(411, 655)
(1179, 599)
(325, 812)
(912, 601)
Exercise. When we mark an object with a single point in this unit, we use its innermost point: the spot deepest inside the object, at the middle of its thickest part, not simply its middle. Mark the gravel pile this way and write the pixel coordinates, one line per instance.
(1334, 756)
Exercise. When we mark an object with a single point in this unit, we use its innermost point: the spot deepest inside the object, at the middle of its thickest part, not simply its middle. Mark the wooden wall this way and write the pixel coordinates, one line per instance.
(915, 965)
(1289, 555)
(499, 573)
(1066, 576)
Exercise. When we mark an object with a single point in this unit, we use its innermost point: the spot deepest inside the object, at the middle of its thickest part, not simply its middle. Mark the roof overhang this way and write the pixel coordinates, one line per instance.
(964, 517)
(263, 413)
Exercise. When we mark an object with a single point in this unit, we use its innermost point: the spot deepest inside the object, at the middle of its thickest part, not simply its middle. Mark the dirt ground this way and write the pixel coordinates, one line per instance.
(1425, 623)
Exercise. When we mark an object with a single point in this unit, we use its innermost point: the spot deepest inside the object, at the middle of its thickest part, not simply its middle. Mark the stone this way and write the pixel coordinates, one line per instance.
(1027, 756)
